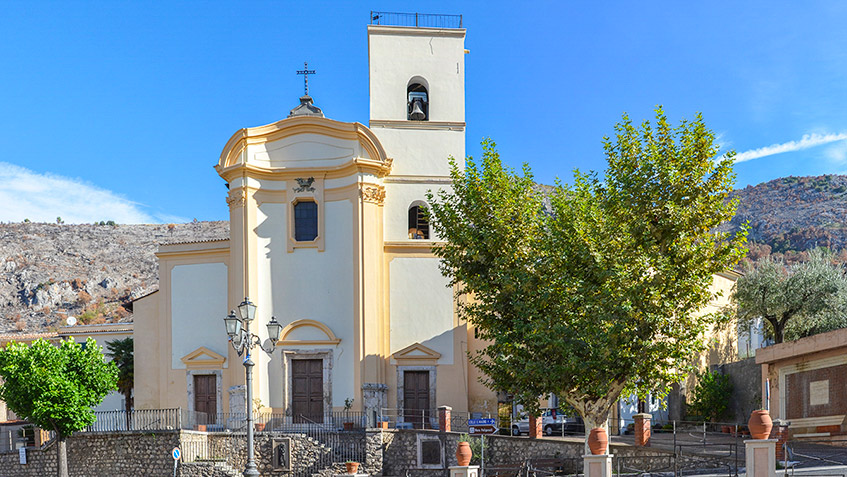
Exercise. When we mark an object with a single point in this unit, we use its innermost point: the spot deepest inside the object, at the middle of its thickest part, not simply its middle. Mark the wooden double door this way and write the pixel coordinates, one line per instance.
(416, 403)
(307, 393)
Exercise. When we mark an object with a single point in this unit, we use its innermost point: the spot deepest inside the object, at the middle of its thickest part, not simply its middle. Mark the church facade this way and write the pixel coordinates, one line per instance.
(327, 235)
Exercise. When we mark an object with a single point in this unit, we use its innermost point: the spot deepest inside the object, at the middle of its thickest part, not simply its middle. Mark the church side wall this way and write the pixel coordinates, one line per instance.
(147, 352)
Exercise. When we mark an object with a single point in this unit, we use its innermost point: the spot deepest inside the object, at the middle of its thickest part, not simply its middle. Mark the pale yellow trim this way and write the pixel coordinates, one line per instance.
(434, 180)
(347, 192)
(214, 360)
(422, 248)
(193, 249)
(427, 125)
(355, 165)
(331, 338)
(429, 353)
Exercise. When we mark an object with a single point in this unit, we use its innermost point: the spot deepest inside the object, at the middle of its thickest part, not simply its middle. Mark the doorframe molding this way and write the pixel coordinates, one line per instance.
(323, 354)
(401, 370)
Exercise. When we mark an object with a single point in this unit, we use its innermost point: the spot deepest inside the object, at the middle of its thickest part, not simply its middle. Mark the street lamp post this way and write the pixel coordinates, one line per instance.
(242, 341)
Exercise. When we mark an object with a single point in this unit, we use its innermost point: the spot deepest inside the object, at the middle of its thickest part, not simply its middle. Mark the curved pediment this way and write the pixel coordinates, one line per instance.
(307, 332)
(303, 144)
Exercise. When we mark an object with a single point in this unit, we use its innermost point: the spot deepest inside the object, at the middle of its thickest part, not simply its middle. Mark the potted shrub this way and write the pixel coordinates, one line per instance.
(352, 467)
(348, 425)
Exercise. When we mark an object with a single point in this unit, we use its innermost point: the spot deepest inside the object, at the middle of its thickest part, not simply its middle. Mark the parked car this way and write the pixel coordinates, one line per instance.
(550, 426)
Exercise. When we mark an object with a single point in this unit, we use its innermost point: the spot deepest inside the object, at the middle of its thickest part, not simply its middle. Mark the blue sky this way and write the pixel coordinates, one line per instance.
(102, 100)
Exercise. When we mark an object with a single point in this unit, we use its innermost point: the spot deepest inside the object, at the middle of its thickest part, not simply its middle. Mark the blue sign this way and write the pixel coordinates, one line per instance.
(175, 453)
(480, 422)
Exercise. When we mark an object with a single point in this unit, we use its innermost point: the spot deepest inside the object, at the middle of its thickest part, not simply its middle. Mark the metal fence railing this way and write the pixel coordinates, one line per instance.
(136, 420)
(172, 419)
(421, 20)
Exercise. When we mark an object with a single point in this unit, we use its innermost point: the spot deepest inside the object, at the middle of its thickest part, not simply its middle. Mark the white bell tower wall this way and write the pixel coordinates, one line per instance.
(434, 58)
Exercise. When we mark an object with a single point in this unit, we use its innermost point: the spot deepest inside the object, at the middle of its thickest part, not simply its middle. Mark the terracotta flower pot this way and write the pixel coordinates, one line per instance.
(352, 467)
(348, 426)
(464, 454)
(598, 440)
(382, 424)
(760, 424)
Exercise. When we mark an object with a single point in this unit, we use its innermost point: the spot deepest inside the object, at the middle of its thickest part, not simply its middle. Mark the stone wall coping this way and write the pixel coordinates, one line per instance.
(809, 345)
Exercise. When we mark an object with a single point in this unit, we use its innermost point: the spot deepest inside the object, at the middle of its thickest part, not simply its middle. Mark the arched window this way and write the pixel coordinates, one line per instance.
(418, 224)
(305, 221)
(418, 105)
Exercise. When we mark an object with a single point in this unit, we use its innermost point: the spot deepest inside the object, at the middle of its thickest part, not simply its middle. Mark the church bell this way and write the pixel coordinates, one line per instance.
(417, 112)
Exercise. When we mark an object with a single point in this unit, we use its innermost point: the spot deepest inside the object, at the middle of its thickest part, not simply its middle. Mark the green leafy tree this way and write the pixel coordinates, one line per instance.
(598, 293)
(121, 353)
(55, 387)
(711, 396)
(794, 300)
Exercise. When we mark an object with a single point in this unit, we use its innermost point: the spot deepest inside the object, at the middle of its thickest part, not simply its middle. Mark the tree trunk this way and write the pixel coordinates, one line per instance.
(128, 410)
(62, 456)
(595, 412)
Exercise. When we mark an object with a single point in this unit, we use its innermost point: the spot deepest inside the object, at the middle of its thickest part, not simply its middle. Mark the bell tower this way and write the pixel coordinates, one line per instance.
(417, 90)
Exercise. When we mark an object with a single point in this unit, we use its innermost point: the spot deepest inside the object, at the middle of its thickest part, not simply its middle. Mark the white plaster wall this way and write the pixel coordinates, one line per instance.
(113, 401)
(307, 284)
(421, 152)
(398, 199)
(421, 307)
(198, 307)
(301, 150)
(395, 59)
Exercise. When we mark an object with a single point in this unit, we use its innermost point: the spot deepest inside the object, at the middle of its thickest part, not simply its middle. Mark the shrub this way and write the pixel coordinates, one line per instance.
(711, 396)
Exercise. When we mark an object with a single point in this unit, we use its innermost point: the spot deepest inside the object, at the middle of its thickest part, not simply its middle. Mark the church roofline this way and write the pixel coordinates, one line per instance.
(232, 160)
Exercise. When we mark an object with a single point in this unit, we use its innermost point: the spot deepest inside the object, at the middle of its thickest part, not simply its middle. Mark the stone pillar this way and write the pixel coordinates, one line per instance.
(535, 426)
(597, 465)
(761, 457)
(642, 429)
(444, 418)
(373, 401)
(780, 433)
(464, 471)
(237, 406)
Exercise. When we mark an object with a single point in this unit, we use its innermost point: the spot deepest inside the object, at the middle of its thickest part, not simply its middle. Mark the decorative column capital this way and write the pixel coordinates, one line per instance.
(236, 198)
(373, 193)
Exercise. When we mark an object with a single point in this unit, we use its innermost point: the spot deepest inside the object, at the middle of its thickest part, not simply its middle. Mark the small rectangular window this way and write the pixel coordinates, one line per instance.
(305, 221)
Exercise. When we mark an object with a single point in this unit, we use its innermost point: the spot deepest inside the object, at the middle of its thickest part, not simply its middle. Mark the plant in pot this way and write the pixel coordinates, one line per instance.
(474, 445)
(352, 467)
(348, 424)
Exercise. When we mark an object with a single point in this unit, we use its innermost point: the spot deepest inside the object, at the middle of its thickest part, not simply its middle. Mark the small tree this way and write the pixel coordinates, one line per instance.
(711, 396)
(601, 292)
(793, 298)
(55, 387)
(121, 353)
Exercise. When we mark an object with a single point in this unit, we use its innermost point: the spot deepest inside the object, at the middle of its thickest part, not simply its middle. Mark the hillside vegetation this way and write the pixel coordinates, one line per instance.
(51, 271)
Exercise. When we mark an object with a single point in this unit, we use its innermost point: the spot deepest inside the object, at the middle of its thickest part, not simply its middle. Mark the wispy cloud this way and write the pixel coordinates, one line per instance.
(807, 141)
(25, 194)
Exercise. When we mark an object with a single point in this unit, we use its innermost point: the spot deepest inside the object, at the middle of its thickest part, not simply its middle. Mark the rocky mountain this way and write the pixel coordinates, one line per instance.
(791, 215)
(49, 272)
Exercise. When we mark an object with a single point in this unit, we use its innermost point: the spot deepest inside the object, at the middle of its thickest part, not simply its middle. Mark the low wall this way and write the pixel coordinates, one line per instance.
(94, 454)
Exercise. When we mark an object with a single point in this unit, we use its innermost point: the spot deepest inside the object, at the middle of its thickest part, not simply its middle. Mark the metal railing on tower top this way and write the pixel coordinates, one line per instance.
(420, 20)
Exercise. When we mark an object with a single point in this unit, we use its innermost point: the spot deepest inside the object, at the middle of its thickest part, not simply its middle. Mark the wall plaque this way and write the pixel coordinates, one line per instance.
(282, 454)
(819, 392)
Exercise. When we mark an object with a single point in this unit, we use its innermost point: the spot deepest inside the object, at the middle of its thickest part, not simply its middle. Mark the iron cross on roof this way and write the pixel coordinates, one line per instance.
(306, 72)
